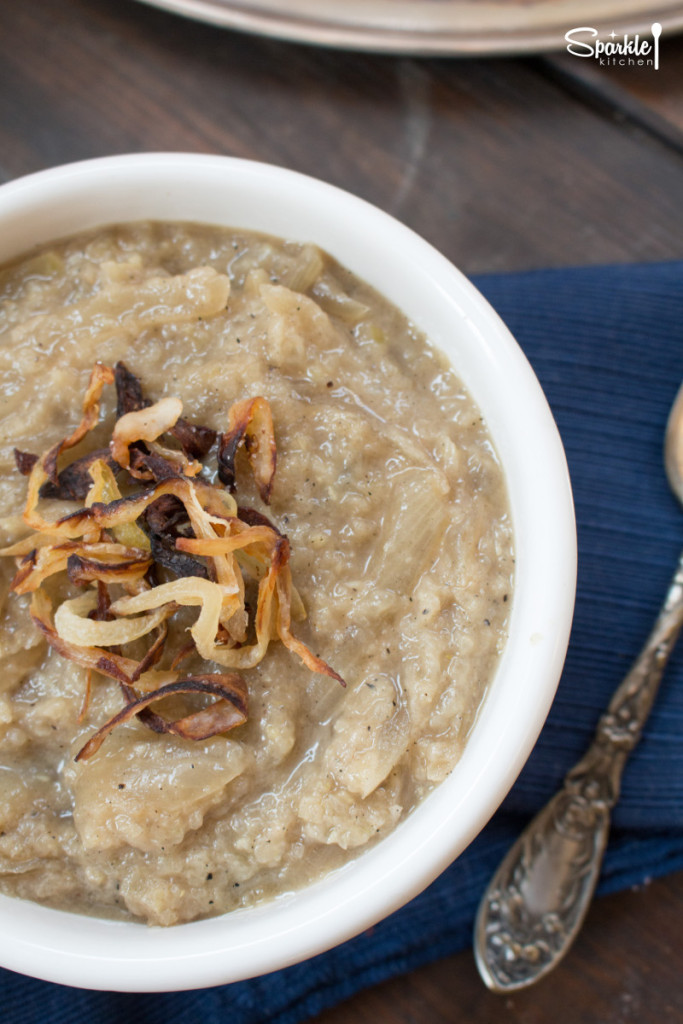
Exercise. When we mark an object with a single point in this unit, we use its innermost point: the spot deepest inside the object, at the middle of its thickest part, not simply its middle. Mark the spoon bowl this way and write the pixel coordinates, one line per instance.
(673, 446)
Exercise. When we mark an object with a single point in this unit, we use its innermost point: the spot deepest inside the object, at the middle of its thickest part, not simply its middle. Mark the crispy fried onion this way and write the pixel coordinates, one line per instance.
(74, 626)
(107, 663)
(107, 561)
(44, 469)
(223, 714)
(249, 422)
(147, 425)
(180, 543)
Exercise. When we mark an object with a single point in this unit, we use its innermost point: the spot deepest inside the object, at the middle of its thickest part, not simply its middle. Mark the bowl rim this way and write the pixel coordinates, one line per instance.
(102, 954)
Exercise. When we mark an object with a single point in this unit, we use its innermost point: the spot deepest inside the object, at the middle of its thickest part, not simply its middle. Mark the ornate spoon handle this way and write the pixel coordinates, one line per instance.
(538, 898)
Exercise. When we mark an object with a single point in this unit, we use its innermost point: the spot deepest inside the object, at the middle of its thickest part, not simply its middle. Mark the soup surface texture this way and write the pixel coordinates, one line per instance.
(394, 504)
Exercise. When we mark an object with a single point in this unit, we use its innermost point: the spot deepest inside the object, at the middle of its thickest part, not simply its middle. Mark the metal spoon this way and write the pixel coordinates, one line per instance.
(536, 901)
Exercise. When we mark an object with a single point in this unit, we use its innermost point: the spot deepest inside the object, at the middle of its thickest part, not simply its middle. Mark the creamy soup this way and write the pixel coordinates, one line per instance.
(393, 505)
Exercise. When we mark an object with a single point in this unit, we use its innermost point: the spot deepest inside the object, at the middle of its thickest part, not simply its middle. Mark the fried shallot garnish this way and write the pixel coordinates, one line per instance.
(152, 527)
(223, 714)
(74, 481)
(249, 422)
(196, 441)
(129, 396)
(25, 461)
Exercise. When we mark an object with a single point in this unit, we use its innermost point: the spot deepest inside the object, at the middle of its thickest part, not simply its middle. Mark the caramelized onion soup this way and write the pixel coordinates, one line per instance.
(393, 509)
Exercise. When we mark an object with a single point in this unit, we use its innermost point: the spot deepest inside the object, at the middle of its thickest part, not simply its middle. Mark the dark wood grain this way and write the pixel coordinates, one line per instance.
(493, 161)
(653, 101)
(625, 968)
(502, 164)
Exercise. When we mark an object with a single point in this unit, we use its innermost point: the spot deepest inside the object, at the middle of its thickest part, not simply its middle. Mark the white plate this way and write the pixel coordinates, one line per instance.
(457, 27)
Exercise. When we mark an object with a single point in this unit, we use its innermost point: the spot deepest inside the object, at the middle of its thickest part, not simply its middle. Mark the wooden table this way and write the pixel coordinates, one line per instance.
(502, 164)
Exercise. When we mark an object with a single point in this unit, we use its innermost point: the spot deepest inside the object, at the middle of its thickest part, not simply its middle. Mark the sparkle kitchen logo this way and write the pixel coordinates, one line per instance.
(613, 50)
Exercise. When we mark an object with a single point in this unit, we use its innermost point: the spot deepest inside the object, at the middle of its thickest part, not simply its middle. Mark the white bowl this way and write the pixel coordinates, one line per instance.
(100, 954)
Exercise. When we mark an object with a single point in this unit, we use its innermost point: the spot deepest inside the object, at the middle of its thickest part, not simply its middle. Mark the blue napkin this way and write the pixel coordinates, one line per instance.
(607, 345)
